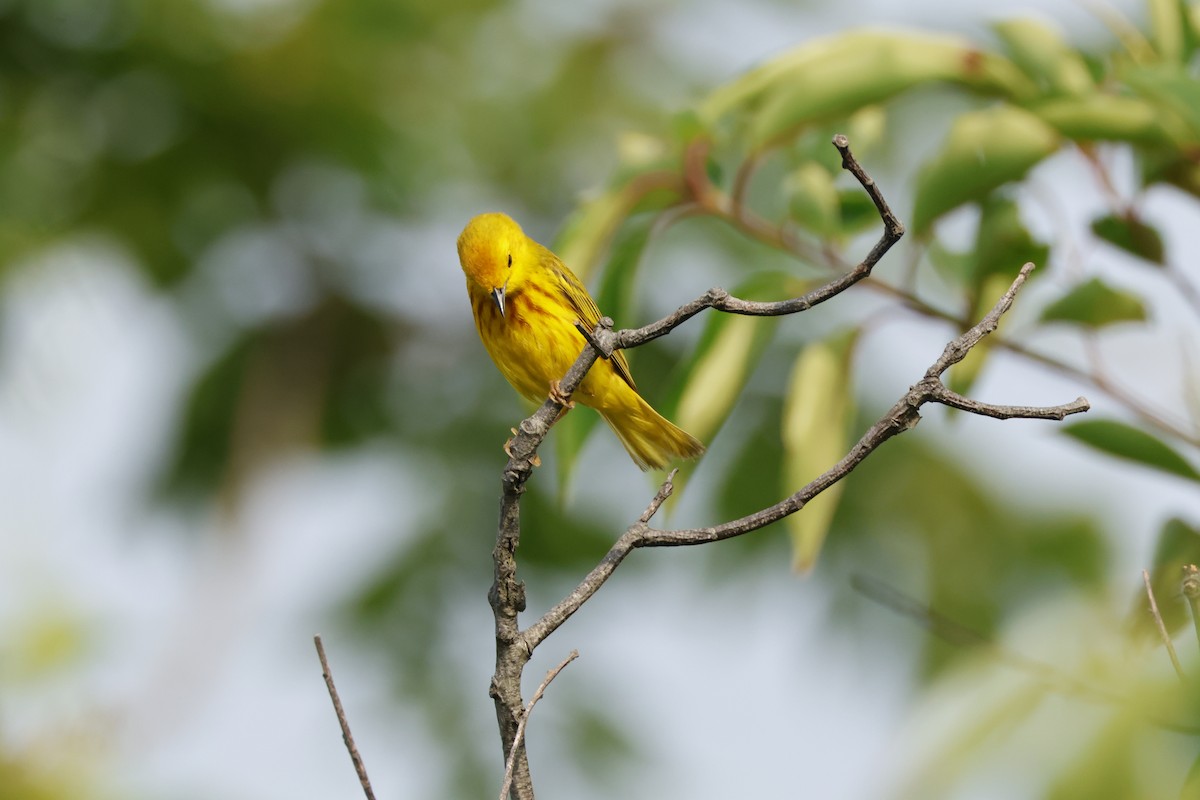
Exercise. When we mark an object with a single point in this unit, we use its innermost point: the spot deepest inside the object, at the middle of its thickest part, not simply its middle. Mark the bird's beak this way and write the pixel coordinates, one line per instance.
(498, 297)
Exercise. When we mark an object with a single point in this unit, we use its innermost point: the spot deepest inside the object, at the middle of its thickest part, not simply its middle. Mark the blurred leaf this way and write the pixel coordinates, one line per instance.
(359, 381)
(1167, 28)
(1106, 768)
(751, 481)
(587, 234)
(206, 432)
(991, 714)
(1178, 545)
(1095, 304)
(1041, 53)
(1174, 90)
(816, 413)
(984, 150)
(1171, 167)
(599, 743)
(858, 211)
(722, 366)
(836, 75)
(22, 778)
(1131, 235)
(724, 359)
(1002, 246)
(955, 267)
(903, 515)
(867, 129)
(615, 295)
(1130, 443)
(1108, 117)
(813, 200)
(45, 643)
(1191, 784)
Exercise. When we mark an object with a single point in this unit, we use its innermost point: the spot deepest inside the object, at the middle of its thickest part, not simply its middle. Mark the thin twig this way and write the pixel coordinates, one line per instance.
(1162, 628)
(347, 738)
(512, 755)
(664, 492)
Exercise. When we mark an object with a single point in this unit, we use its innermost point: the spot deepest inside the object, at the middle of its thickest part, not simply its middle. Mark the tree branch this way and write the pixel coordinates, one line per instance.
(347, 738)
(520, 738)
(900, 417)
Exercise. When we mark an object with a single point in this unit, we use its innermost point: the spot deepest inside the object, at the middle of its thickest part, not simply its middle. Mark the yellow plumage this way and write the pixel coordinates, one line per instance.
(526, 303)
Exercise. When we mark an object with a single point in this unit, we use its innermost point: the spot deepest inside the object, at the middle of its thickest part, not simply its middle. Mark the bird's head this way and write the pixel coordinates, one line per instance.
(492, 251)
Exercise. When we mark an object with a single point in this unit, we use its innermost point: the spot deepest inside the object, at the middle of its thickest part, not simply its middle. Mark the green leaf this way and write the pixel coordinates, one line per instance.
(1003, 244)
(1177, 94)
(1131, 235)
(205, 435)
(721, 369)
(984, 150)
(1178, 545)
(858, 211)
(1108, 117)
(834, 76)
(1166, 29)
(816, 415)
(1133, 444)
(729, 349)
(584, 239)
(1191, 784)
(1042, 54)
(1095, 304)
(954, 266)
(813, 199)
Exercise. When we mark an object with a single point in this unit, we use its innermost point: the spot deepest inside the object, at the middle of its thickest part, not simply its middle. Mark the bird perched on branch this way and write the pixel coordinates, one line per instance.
(526, 303)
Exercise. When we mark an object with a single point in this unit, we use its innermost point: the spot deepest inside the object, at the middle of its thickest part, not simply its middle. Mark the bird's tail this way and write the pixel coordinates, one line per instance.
(649, 438)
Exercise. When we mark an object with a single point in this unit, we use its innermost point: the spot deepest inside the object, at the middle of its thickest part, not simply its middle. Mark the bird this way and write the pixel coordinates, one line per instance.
(526, 303)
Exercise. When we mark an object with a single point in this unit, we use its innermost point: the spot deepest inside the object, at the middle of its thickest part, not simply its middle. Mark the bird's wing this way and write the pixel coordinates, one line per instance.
(589, 313)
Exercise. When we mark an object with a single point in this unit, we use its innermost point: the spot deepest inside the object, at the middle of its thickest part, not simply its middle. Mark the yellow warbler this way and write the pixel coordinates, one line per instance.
(526, 303)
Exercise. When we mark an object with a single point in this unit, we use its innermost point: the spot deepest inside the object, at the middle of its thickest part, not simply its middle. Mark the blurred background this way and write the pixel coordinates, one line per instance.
(242, 401)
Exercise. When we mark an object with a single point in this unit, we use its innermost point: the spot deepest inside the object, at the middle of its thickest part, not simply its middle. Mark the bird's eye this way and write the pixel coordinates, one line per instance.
(510, 260)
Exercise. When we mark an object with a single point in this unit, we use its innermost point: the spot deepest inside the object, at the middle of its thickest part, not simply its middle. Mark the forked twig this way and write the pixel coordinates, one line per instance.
(520, 737)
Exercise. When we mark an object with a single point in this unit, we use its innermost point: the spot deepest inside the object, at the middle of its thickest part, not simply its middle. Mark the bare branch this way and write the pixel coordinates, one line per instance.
(957, 350)
(955, 400)
(520, 737)
(347, 738)
(899, 418)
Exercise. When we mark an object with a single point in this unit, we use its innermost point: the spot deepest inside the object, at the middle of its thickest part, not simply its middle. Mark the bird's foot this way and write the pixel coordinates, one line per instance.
(564, 400)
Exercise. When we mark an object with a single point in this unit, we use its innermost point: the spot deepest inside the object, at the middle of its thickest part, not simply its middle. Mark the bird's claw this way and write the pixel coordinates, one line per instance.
(564, 400)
